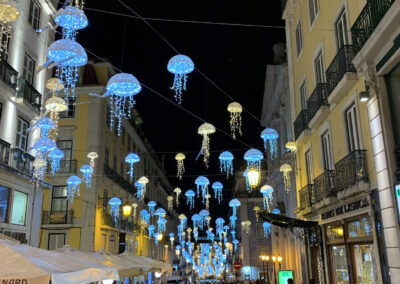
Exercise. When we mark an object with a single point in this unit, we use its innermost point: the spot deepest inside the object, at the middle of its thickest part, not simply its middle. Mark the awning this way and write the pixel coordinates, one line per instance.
(284, 221)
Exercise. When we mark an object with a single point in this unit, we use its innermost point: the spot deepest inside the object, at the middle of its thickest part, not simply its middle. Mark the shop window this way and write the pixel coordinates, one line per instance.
(20, 201)
(334, 232)
(56, 241)
(339, 265)
(364, 264)
(360, 228)
(4, 196)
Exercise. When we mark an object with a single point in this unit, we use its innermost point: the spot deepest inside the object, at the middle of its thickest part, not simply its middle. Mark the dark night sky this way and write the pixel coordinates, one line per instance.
(235, 58)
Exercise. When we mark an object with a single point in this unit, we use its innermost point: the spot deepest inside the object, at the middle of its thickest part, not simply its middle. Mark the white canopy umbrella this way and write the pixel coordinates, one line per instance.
(156, 264)
(33, 266)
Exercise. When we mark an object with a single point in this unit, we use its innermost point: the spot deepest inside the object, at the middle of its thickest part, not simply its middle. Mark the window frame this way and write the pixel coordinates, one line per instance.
(303, 95)
(12, 207)
(7, 207)
(308, 159)
(342, 18)
(34, 21)
(21, 133)
(313, 6)
(28, 70)
(55, 234)
(328, 161)
(318, 63)
(58, 198)
(299, 38)
(355, 131)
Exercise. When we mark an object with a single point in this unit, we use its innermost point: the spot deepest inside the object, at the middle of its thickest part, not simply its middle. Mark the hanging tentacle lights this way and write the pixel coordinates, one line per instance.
(204, 214)
(235, 110)
(246, 226)
(55, 105)
(170, 202)
(286, 170)
(121, 88)
(190, 198)
(161, 224)
(267, 191)
(180, 65)
(172, 239)
(55, 155)
(92, 156)
(226, 163)
(189, 233)
(9, 13)
(151, 229)
(267, 229)
(115, 204)
(46, 124)
(180, 165)
(42, 146)
(197, 221)
(217, 187)
(208, 220)
(233, 233)
(235, 243)
(233, 220)
(177, 192)
(202, 185)
(256, 212)
(87, 172)
(219, 223)
(145, 216)
(141, 187)
(246, 178)
(152, 207)
(134, 207)
(205, 130)
(183, 221)
(196, 233)
(234, 203)
(132, 159)
(207, 197)
(270, 137)
(73, 183)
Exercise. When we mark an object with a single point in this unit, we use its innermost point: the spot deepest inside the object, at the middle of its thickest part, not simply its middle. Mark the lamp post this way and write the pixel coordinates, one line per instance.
(265, 258)
(273, 261)
(279, 258)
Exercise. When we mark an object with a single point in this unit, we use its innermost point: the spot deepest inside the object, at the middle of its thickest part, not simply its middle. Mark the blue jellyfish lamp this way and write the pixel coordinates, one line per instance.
(226, 163)
(202, 184)
(180, 65)
(267, 229)
(234, 203)
(115, 204)
(190, 198)
(132, 159)
(45, 125)
(87, 172)
(73, 183)
(55, 156)
(253, 158)
(152, 207)
(267, 191)
(270, 137)
(217, 187)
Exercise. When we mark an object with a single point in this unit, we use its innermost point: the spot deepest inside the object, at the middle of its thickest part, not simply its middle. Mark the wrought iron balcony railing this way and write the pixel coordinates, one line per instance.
(306, 196)
(57, 217)
(118, 179)
(119, 223)
(29, 94)
(351, 170)
(4, 152)
(369, 18)
(301, 123)
(318, 99)
(324, 185)
(339, 66)
(22, 160)
(8, 74)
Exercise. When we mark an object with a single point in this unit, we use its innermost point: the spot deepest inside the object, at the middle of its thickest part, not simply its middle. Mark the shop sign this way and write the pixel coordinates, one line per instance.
(284, 275)
(346, 208)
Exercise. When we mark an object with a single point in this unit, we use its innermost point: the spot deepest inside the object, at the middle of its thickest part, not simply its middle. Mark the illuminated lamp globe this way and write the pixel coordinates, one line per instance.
(253, 176)
(291, 146)
(123, 85)
(127, 209)
(67, 52)
(160, 236)
(55, 104)
(206, 129)
(54, 84)
(8, 11)
(71, 18)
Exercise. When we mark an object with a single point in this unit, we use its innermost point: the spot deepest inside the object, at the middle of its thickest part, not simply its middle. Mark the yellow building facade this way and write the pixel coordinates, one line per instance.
(86, 222)
(336, 166)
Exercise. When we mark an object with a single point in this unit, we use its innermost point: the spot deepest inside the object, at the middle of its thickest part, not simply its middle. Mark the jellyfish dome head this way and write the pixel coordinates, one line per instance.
(180, 64)
(285, 168)
(276, 211)
(67, 52)
(177, 190)
(266, 189)
(217, 185)
(71, 18)
(143, 180)
(226, 156)
(123, 85)
(291, 146)
(206, 129)
(180, 157)
(202, 181)
(44, 145)
(132, 158)
(160, 212)
(253, 155)
(190, 193)
(269, 134)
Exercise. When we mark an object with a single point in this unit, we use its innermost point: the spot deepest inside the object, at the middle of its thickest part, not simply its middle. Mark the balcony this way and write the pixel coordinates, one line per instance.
(324, 186)
(368, 20)
(22, 160)
(340, 68)
(4, 152)
(57, 217)
(27, 93)
(118, 179)
(317, 104)
(8, 75)
(123, 224)
(300, 124)
(306, 197)
(351, 170)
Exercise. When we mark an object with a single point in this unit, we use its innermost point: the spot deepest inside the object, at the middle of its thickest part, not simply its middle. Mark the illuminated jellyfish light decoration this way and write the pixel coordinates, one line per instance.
(202, 185)
(180, 165)
(43, 146)
(256, 212)
(196, 233)
(180, 65)
(55, 155)
(217, 187)
(276, 211)
(151, 229)
(92, 156)
(246, 178)
(170, 202)
(235, 109)
(141, 187)
(235, 243)
(87, 172)
(226, 163)
(204, 214)
(160, 212)
(132, 159)
(183, 220)
(253, 158)
(197, 221)
(219, 224)
(46, 125)
(234, 203)
(40, 166)
(233, 233)
(233, 220)
(286, 170)
(189, 233)
(115, 204)
(208, 197)
(152, 207)
(9, 13)
(267, 229)
(161, 223)
(121, 88)
(177, 192)
(68, 56)
(71, 19)
(212, 236)
(172, 239)
(246, 226)
(145, 216)
(205, 130)
(267, 191)
(134, 207)
(270, 138)
(190, 198)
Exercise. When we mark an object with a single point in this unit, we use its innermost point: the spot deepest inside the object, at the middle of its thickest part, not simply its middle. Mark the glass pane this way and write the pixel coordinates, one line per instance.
(19, 208)
(339, 263)
(60, 191)
(365, 264)
(360, 228)
(59, 205)
(334, 232)
(4, 194)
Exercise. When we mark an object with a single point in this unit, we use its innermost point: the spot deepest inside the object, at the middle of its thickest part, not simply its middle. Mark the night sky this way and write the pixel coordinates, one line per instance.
(235, 58)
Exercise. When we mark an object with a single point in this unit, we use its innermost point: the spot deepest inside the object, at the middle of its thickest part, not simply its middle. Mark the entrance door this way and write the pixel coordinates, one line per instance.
(340, 268)
(364, 265)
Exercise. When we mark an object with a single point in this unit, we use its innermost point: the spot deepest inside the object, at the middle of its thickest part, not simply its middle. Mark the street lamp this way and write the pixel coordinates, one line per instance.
(253, 177)
(127, 210)
(265, 258)
(280, 262)
(274, 259)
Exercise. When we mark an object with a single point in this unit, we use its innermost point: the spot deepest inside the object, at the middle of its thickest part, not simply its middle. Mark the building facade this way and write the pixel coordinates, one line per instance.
(21, 89)
(345, 162)
(86, 223)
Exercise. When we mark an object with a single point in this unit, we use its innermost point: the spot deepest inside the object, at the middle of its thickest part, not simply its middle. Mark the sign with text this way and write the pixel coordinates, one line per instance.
(284, 275)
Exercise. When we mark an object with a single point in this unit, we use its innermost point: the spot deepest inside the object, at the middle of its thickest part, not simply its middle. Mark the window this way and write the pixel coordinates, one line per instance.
(314, 9)
(342, 37)
(299, 38)
(115, 163)
(28, 70)
(353, 136)
(319, 69)
(59, 201)
(339, 265)
(18, 214)
(107, 156)
(309, 167)
(4, 196)
(103, 241)
(34, 15)
(56, 241)
(66, 163)
(303, 95)
(111, 244)
(327, 151)
(21, 137)
(70, 111)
